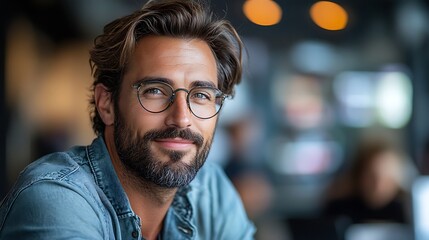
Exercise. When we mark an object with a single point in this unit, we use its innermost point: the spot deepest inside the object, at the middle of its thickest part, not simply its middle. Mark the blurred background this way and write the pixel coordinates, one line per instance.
(327, 137)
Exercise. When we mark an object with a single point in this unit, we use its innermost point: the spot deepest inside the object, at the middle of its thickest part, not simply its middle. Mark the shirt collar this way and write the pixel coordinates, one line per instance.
(106, 177)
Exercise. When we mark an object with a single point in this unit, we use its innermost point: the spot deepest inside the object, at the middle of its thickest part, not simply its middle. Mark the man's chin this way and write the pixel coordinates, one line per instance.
(173, 156)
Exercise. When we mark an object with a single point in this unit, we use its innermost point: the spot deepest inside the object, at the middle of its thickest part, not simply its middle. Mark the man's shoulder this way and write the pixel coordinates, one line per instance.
(54, 166)
(211, 178)
(51, 194)
(217, 205)
(209, 172)
(62, 168)
(50, 180)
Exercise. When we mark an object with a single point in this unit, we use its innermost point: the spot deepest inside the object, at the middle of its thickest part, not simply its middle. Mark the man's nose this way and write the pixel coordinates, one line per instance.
(179, 114)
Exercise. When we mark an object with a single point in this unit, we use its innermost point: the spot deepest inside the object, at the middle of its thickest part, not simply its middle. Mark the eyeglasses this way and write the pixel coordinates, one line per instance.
(157, 96)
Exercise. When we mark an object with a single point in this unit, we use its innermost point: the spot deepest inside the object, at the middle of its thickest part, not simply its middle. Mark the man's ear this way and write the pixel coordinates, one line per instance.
(104, 104)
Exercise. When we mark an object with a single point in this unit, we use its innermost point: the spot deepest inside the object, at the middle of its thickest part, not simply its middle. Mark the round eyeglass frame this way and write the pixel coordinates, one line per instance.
(138, 85)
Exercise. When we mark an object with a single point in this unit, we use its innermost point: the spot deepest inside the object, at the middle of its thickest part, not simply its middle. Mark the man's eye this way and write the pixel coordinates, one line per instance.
(154, 92)
(202, 96)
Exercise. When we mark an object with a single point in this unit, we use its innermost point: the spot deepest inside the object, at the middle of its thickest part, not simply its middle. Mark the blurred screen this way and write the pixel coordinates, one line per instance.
(366, 98)
(420, 197)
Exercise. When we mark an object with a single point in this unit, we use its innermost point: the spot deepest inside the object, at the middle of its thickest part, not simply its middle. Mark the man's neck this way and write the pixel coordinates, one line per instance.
(150, 202)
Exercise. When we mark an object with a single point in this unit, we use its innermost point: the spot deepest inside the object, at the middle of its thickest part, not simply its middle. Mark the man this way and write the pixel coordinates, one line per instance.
(161, 77)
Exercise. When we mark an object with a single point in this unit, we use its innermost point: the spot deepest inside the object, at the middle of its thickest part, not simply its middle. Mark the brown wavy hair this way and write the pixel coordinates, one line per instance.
(187, 19)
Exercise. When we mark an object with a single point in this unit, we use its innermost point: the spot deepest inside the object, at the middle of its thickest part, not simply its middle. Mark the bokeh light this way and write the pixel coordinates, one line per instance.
(394, 99)
(262, 12)
(329, 15)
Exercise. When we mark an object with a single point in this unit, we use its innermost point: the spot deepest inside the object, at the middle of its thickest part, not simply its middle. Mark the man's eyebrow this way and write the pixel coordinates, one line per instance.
(155, 79)
(202, 83)
(197, 83)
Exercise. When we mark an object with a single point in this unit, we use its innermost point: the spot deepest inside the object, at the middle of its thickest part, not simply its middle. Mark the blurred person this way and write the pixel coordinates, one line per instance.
(376, 191)
(161, 76)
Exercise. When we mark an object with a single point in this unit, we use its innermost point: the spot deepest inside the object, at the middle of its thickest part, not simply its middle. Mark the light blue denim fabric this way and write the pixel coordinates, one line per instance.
(77, 195)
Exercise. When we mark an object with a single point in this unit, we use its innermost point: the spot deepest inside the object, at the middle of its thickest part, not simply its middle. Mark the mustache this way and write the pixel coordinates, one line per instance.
(186, 134)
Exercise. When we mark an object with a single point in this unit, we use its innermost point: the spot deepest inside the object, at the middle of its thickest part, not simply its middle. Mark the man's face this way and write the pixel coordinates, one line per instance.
(166, 148)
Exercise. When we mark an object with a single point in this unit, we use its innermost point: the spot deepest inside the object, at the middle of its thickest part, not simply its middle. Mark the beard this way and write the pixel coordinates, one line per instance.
(141, 161)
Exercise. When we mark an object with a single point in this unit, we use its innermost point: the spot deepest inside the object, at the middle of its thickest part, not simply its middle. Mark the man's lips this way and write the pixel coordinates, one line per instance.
(175, 143)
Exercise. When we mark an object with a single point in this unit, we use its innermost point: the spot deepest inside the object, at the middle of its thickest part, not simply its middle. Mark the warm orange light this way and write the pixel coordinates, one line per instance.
(262, 12)
(329, 15)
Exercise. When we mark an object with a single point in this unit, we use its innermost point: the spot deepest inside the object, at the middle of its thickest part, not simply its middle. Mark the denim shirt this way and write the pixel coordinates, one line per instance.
(77, 195)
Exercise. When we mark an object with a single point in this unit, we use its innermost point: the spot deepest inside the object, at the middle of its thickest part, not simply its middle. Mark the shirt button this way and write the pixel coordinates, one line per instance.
(135, 234)
(184, 230)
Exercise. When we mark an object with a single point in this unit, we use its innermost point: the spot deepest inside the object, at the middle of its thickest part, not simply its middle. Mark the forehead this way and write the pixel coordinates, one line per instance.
(180, 60)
